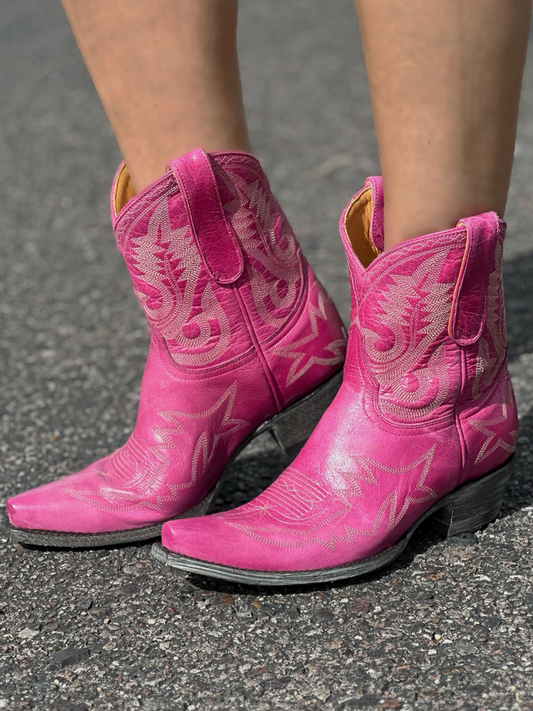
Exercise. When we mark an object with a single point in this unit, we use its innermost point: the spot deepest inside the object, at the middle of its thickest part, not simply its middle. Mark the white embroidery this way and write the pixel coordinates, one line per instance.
(493, 440)
(301, 353)
(145, 469)
(409, 367)
(304, 508)
(176, 296)
(274, 269)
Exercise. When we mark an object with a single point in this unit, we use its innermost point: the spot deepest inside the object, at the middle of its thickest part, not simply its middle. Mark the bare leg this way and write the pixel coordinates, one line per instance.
(445, 82)
(167, 74)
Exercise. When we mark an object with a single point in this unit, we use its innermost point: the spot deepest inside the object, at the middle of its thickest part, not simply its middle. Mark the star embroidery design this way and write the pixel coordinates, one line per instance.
(421, 493)
(149, 469)
(218, 425)
(493, 440)
(301, 355)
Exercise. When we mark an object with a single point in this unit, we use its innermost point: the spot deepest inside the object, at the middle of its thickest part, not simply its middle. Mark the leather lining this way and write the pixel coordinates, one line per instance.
(357, 224)
(123, 190)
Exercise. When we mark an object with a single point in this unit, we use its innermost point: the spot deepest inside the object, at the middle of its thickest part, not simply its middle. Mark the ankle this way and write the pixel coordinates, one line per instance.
(145, 167)
(419, 215)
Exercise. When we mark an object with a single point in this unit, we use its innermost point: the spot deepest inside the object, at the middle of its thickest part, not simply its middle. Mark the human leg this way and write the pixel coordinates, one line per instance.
(167, 74)
(445, 82)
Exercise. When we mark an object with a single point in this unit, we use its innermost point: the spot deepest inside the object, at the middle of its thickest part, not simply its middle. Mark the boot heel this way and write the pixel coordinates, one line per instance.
(292, 427)
(473, 505)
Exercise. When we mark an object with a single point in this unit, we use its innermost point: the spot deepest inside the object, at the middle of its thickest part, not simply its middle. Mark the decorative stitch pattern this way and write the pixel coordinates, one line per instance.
(413, 312)
(299, 351)
(303, 507)
(145, 469)
(271, 249)
(493, 439)
(175, 294)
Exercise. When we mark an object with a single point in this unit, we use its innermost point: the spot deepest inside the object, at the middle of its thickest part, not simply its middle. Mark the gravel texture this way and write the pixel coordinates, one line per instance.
(449, 626)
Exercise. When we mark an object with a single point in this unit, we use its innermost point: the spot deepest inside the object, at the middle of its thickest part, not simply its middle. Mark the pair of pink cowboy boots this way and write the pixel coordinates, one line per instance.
(245, 339)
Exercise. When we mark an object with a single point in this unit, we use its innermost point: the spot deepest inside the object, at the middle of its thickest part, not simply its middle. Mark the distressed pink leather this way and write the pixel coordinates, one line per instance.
(240, 328)
(426, 404)
(212, 231)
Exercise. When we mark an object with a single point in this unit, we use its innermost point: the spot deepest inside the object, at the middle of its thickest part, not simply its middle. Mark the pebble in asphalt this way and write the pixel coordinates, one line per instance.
(448, 626)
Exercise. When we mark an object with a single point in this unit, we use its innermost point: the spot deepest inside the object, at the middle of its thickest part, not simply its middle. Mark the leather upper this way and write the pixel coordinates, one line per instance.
(240, 328)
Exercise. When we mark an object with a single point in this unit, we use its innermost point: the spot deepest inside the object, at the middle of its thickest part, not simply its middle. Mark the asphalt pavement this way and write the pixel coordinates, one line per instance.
(448, 626)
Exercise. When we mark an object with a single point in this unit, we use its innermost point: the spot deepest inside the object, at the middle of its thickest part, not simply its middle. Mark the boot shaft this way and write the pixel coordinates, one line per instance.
(219, 274)
(428, 332)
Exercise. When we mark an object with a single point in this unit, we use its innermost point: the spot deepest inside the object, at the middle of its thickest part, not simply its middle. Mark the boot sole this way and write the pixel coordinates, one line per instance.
(290, 428)
(467, 508)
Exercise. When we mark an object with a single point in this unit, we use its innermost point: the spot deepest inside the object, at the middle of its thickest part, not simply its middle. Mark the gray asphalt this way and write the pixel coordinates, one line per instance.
(449, 626)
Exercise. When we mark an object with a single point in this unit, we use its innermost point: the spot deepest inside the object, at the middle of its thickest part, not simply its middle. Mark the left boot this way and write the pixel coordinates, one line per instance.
(244, 340)
(423, 427)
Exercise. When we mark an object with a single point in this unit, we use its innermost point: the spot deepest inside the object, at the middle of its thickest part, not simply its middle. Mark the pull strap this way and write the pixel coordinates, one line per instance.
(469, 305)
(214, 235)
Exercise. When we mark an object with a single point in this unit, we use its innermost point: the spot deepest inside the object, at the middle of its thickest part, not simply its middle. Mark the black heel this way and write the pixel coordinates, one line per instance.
(292, 427)
(473, 505)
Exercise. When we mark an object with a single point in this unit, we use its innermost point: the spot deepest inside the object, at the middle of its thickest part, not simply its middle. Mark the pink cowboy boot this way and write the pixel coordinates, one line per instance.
(244, 339)
(423, 427)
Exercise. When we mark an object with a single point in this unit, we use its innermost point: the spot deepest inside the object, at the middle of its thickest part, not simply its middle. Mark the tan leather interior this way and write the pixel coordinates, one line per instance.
(124, 190)
(357, 225)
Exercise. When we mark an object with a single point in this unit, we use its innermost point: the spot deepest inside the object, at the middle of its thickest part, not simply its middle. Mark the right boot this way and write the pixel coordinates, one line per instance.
(423, 427)
(244, 339)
